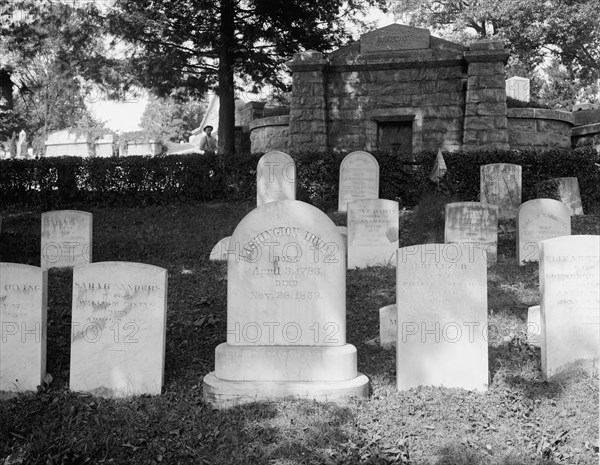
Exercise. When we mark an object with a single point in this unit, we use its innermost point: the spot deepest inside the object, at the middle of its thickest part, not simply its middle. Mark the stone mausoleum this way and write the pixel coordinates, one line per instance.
(399, 88)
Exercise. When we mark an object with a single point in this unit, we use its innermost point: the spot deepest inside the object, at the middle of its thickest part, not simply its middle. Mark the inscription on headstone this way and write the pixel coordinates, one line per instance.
(23, 299)
(275, 178)
(395, 37)
(473, 223)
(373, 229)
(118, 329)
(538, 220)
(66, 238)
(570, 303)
(442, 317)
(359, 179)
(501, 186)
(286, 310)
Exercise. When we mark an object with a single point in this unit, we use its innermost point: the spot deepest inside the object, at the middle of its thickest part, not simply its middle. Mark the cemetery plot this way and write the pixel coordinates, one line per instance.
(538, 220)
(442, 317)
(118, 329)
(570, 305)
(275, 178)
(372, 232)
(501, 185)
(23, 299)
(359, 179)
(475, 224)
(66, 238)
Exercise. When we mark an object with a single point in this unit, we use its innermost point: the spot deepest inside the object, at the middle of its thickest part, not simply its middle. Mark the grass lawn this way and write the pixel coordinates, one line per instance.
(520, 420)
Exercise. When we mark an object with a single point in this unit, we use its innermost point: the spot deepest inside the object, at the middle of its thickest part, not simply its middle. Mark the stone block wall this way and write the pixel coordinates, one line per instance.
(538, 128)
(271, 133)
(587, 136)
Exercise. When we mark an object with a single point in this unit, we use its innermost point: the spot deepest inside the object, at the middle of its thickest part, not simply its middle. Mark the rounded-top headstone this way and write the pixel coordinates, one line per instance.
(275, 178)
(359, 179)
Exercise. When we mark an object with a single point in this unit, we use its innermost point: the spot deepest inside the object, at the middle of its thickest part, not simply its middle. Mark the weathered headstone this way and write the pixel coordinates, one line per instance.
(568, 191)
(534, 328)
(388, 321)
(518, 88)
(23, 299)
(359, 179)
(275, 178)
(441, 292)
(118, 329)
(219, 251)
(570, 304)
(475, 224)
(538, 220)
(501, 185)
(286, 311)
(66, 239)
(373, 229)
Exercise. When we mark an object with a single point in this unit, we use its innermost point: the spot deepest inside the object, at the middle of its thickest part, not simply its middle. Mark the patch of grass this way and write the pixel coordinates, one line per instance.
(520, 420)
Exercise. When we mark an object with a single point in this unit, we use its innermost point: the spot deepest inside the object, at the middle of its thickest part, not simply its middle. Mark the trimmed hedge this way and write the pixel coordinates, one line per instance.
(68, 182)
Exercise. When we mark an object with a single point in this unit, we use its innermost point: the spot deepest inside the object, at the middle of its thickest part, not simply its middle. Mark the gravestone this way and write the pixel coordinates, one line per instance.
(286, 311)
(373, 229)
(441, 292)
(23, 304)
(388, 320)
(501, 185)
(475, 224)
(518, 88)
(359, 179)
(66, 238)
(344, 232)
(534, 328)
(118, 329)
(219, 251)
(570, 304)
(538, 220)
(275, 178)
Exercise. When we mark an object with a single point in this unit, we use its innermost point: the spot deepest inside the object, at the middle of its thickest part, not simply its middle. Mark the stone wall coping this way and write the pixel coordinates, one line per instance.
(487, 44)
(282, 120)
(593, 128)
(255, 104)
(477, 56)
(541, 113)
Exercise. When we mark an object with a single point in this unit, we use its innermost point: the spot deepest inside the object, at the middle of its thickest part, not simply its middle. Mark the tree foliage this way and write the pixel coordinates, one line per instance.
(169, 120)
(186, 47)
(551, 41)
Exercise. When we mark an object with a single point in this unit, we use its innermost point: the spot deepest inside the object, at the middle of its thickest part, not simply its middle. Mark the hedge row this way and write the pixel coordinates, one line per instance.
(70, 182)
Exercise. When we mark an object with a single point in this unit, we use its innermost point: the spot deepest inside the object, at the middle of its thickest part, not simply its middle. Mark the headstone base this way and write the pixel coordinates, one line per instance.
(223, 393)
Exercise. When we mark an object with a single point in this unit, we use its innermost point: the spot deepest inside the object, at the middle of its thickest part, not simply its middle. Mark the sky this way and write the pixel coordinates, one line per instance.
(126, 116)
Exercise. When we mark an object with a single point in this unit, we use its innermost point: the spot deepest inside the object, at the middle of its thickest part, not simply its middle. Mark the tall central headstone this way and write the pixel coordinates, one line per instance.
(23, 299)
(286, 311)
(66, 239)
(570, 304)
(275, 178)
(501, 185)
(359, 179)
(442, 317)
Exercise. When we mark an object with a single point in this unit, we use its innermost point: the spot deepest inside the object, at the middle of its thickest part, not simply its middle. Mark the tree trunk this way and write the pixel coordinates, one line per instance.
(226, 86)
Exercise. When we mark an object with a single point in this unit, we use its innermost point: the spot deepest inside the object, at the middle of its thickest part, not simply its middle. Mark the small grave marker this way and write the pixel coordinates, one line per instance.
(66, 239)
(501, 186)
(275, 178)
(359, 179)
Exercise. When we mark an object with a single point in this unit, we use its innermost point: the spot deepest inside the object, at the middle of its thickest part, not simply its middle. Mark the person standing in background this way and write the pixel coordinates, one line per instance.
(208, 144)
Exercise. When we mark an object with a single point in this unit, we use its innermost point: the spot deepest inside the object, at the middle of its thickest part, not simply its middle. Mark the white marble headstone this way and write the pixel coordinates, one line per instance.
(275, 178)
(66, 239)
(359, 179)
(286, 310)
(475, 224)
(219, 251)
(570, 303)
(373, 230)
(118, 329)
(388, 321)
(23, 299)
(442, 317)
(538, 220)
(500, 185)
(568, 190)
